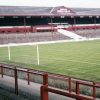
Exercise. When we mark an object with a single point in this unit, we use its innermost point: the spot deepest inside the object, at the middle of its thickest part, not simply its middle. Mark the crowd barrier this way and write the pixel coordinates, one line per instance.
(45, 88)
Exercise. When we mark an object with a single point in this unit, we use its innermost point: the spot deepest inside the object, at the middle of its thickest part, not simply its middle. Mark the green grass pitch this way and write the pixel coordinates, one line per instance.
(78, 59)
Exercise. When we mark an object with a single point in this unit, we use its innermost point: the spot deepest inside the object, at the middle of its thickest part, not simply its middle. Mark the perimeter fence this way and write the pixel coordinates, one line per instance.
(53, 83)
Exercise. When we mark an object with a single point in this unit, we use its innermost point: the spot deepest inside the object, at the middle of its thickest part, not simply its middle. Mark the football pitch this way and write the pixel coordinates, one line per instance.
(78, 59)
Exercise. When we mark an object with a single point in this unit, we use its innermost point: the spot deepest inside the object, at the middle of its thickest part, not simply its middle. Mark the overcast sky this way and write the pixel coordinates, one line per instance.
(67, 3)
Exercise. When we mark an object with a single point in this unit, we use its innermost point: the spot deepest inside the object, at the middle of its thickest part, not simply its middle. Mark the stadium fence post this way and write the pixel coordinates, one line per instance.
(44, 92)
(94, 91)
(38, 58)
(45, 79)
(28, 76)
(16, 81)
(9, 54)
(1, 70)
(69, 85)
(44, 87)
(77, 89)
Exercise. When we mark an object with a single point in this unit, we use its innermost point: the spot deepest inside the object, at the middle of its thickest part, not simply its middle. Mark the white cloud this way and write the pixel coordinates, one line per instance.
(68, 3)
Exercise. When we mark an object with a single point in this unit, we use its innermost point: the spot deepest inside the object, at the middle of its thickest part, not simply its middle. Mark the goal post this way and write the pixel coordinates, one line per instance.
(38, 55)
(7, 53)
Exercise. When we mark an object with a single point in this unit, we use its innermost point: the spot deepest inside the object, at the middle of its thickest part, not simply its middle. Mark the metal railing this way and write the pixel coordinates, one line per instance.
(45, 88)
(27, 71)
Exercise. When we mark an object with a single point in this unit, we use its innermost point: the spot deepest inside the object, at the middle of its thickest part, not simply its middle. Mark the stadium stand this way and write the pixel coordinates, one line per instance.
(31, 37)
(89, 33)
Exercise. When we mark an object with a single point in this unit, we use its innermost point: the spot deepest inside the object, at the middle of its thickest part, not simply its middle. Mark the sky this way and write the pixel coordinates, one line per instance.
(67, 3)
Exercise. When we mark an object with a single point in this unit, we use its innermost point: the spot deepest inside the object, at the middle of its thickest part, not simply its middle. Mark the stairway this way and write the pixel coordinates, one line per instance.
(70, 34)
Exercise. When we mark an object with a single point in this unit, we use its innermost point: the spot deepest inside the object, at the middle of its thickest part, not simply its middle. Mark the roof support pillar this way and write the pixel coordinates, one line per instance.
(74, 23)
(24, 24)
(95, 22)
(51, 24)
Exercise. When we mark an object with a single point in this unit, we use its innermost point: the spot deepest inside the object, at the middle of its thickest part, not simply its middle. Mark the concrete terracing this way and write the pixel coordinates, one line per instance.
(31, 37)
